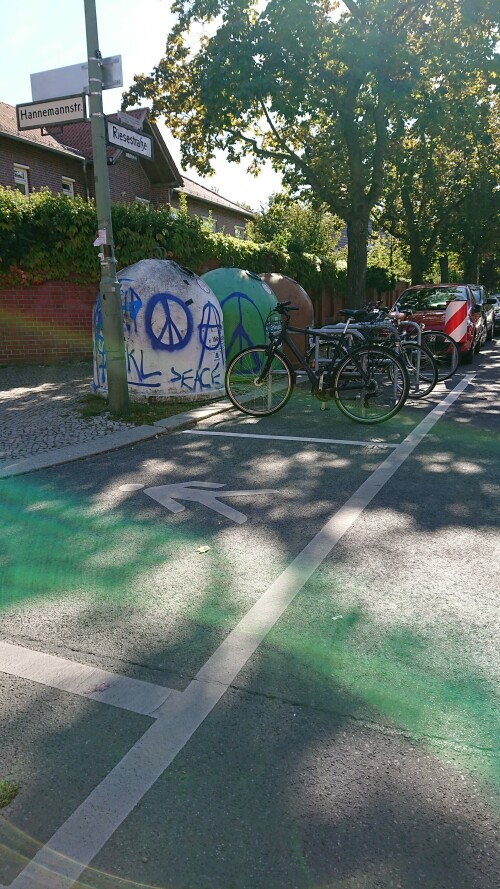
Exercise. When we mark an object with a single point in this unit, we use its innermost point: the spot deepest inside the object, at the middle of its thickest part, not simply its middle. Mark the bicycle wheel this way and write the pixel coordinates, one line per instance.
(422, 369)
(259, 383)
(444, 350)
(371, 385)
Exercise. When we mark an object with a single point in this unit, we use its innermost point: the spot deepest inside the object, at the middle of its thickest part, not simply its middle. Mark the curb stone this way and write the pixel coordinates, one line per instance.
(110, 442)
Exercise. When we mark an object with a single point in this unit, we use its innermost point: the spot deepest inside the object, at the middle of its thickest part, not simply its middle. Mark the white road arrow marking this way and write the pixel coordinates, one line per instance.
(200, 492)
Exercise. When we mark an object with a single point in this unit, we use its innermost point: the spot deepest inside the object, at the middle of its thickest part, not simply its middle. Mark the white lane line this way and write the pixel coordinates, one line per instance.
(80, 679)
(327, 441)
(86, 831)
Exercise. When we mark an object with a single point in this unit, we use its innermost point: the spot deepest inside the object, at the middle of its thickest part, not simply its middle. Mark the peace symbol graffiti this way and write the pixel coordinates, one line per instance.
(168, 322)
(240, 337)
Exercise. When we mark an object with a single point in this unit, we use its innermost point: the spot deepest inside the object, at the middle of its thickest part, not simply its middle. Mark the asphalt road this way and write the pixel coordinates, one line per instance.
(309, 670)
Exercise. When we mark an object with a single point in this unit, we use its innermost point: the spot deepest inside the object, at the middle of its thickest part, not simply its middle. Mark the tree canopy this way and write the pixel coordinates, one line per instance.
(296, 227)
(317, 87)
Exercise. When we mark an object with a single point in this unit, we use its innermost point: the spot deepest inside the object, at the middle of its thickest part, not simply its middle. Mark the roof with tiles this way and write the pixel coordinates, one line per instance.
(76, 139)
(8, 126)
(202, 193)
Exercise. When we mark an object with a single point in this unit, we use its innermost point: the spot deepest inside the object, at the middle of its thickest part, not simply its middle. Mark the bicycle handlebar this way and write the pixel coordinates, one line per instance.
(285, 308)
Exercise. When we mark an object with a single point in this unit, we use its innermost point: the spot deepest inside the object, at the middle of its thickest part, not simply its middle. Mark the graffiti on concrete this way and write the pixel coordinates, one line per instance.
(135, 368)
(131, 303)
(240, 335)
(210, 330)
(173, 331)
(197, 380)
(99, 350)
(168, 322)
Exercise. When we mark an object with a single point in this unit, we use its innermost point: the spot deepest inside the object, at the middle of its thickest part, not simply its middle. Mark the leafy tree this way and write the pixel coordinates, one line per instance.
(310, 84)
(386, 252)
(443, 163)
(475, 226)
(296, 227)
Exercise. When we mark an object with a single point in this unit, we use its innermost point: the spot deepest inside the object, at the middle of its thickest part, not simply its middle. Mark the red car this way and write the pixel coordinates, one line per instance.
(426, 304)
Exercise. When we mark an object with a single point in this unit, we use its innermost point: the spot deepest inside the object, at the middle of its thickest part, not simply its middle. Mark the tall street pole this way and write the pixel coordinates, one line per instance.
(111, 305)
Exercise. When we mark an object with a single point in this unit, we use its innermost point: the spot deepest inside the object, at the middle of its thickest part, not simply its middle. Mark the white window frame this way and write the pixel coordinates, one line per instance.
(23, 170)
(239, 232)
(70, 191)
(144, 201)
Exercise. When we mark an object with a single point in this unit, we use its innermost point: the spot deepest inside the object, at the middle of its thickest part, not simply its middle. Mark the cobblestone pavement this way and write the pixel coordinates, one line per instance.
(39, 410)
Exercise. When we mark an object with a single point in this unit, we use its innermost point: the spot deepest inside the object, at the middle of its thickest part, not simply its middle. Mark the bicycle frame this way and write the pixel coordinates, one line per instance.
(315, 333)
(369, 384)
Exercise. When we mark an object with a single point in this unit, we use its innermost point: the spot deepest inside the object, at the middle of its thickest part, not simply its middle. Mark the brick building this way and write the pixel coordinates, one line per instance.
(61, 159)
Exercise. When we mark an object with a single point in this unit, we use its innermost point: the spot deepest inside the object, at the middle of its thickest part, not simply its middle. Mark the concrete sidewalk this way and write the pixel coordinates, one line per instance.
(41, 424)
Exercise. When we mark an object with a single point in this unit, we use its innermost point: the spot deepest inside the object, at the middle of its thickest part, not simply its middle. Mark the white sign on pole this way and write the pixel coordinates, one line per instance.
(36, 115)
(129, 140)
(74, 79)
(129, 120)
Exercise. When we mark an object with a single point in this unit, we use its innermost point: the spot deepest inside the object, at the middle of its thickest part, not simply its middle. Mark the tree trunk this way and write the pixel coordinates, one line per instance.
(417, 261)
(444, 268)
(471, 266)
(357, 238)
(417, 266)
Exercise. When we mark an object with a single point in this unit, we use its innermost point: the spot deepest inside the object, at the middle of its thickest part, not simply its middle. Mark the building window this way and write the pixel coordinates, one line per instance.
(143, 201)
(209, 223)
(21, 179)
(239, 231)
(68, 187)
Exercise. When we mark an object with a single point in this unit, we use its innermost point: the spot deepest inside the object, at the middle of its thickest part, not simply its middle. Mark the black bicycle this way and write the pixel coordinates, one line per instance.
(369, 384)
(376, 328)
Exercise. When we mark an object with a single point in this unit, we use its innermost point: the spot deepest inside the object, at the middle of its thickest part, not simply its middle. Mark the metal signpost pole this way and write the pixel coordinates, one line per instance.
(112, 321)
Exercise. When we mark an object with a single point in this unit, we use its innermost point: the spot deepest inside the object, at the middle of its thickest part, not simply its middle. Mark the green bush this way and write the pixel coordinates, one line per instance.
(49, 237)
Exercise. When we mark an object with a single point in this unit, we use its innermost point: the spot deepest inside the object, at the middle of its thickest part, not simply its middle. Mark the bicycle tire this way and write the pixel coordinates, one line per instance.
(259, 397)
(444, 350)
(422, 370)
(371, 385)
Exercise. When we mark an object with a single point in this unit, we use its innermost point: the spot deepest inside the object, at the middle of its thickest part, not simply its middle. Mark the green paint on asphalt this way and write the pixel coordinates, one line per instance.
(413, 679)
(53, 544)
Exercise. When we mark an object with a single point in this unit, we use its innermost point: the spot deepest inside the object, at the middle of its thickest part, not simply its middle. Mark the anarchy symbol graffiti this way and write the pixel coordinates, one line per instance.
(210, 330)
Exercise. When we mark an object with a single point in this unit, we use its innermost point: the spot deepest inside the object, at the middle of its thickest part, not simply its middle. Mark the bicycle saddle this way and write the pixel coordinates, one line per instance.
(357, 314)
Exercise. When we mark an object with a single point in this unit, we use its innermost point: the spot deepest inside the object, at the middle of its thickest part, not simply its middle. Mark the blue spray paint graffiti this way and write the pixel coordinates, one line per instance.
(202, 378)
(138, 369)
(240, 336)
(210, 330)
(131, 303)
(170, 336)
(100, 352)
(136, 375)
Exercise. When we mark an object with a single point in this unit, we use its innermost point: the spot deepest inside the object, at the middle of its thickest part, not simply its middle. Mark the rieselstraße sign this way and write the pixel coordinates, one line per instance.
(130, 140)
(35, 115)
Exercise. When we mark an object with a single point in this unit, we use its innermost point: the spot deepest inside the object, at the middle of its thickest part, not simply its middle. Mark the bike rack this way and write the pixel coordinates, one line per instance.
(332, 329)
(356, 330)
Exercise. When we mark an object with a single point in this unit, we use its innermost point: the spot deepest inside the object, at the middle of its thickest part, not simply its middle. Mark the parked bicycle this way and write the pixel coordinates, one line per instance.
(442, 347)
(377, 328)
(368, 383)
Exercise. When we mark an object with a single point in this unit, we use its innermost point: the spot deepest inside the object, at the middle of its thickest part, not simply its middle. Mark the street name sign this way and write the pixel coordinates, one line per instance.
(74, 79)
(130, 140)
(35, 115)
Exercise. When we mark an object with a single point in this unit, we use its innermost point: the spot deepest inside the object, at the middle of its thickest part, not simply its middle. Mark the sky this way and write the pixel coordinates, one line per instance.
(44, 34)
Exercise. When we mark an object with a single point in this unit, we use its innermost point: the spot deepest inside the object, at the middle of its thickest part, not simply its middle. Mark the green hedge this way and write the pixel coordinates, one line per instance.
(49, 237)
